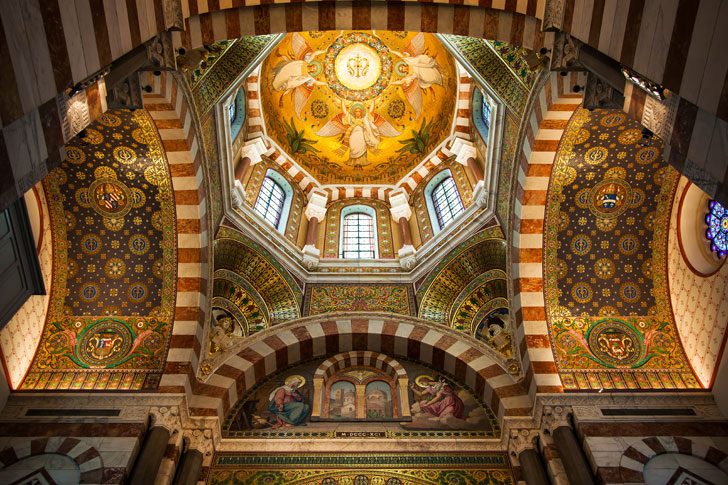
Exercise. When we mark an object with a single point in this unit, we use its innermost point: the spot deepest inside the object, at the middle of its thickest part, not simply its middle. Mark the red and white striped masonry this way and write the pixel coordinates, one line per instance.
(547, 122)
(360, 357)
(171, 113)
(436, 345)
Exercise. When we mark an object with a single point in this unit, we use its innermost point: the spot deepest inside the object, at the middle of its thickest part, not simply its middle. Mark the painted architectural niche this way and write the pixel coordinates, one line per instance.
(360, 394)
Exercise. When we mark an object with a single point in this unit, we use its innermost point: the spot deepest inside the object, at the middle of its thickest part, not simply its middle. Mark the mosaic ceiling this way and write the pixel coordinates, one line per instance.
(606, 290)
(358, 107)
(114, 260)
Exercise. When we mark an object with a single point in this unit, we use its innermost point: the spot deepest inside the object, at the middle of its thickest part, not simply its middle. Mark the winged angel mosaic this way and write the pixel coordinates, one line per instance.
(365, 103)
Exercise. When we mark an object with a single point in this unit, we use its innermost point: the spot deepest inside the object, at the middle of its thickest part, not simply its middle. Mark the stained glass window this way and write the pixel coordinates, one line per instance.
(717, 232)
(270, 201)
(232, 110)
(358, 237)
(447, 201)
(485, 115)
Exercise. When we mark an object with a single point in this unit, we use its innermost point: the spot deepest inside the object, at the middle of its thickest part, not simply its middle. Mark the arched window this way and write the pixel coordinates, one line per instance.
(270, 201)
(358, 234)
(446, 201)
(232, 110)
(482, 113)
(236, 113)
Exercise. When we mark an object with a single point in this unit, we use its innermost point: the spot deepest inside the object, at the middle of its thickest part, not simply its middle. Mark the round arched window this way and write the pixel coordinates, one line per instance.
(717, 231)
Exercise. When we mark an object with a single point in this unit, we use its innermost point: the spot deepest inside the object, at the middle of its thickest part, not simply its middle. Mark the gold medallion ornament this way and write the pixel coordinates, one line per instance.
(110, 197)
(125, 155)
(93, 136)
(75, 155)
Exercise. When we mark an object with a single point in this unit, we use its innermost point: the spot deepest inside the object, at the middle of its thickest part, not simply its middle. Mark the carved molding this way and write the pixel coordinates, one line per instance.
(553, 16)
(521, 440)
(160, 52)
(167, 417)
(659, 116)
(555, 417)
(74, 113)
(200, 440)
(565, 53)
(126, 94)
(599, 94)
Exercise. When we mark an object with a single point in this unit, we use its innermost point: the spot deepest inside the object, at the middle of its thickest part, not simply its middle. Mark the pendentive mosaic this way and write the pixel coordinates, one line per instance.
(361, 469)
(114, 271)
(607, 300)
(359, 297)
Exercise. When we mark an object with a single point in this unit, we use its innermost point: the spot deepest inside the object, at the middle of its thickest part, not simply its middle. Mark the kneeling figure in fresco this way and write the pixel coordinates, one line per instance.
(287, 403)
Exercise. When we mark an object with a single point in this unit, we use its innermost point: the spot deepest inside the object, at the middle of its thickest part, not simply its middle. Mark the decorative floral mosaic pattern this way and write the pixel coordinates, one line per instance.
(322, 298)
(114, 271)
(333, 225)
(361, 469)
(605, 273)
(209, 140)
(494, 70)
(511, 56)
(505, 174)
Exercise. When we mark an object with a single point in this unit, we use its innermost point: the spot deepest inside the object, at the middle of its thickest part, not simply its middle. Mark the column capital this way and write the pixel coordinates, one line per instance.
(166, 417)
(317, 205)
(200, 440)
(520, 440)
(399, 206)
(555, 417)
(254, 149)
(463, 149)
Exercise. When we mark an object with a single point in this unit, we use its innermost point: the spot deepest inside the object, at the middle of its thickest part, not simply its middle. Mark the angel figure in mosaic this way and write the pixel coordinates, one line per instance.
(421, 72)
(295, 74)
(359, 130)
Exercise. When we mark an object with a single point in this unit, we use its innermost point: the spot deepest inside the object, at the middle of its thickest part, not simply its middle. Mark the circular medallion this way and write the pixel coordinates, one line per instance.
(110, 197)
(628, 244)
(125, 155)
(596, 155)
(75, 155)
(610, 198)
(115, 268)
(582, 292)
(138, 244)
(104, 343)
(139, 136)
(137, 292)
(319, 109)
(581, 244)
(93, 136)
(582, 198)
(627, 137)
(582, 136)
(114, 223)
(604, 268)
(137, 198)
(615, 343)
(629, 292)
(91, 244)
(604, 224)
(638, 196)
(396, 109)
(82, 197)
(89, 292)
(357, 66)
(613, 119)
(647, 155)
(108, 119)
(568, 175)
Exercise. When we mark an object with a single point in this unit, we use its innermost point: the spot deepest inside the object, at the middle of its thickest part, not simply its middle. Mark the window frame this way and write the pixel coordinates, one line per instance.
(283, 184)
(432, 185)
(364, 210)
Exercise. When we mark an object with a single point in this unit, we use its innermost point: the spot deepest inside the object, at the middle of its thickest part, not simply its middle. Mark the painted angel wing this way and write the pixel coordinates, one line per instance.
(300, 97)
(417, 45)
(385, 127)
(332, 128)
(414, 96)
(299, 45)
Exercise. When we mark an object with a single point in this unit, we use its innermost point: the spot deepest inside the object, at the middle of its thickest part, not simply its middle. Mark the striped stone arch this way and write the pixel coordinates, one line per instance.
(545, 125)
(289, 343)
(518, 23)
(87, 458)
(634, 458)
(341, 361)
(169, 108)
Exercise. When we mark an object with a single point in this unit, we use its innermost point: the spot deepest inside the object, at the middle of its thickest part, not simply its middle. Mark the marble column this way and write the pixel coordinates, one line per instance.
(251, 153)
(150, 456)
(466, 154)
(557, 423)
(189, 468)
(315, 212)
(522, 445)
(401, 212)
